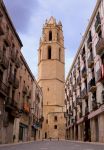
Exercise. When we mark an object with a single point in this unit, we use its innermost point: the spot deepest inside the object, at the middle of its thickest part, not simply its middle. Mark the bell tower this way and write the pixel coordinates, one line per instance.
(51, 78)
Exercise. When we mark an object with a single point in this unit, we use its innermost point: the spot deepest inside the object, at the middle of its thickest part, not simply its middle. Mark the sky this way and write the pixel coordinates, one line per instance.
(28, 17)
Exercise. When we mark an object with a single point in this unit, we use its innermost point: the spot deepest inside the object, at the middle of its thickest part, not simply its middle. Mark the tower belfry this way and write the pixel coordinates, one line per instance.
(51, 78)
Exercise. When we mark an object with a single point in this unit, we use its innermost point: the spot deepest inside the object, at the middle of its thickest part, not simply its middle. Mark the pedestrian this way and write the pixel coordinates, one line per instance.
(50, 138)
(14, 138)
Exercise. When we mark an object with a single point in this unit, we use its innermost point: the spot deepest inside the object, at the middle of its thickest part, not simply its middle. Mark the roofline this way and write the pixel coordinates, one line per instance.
(84, 37)
(27, 66)
(11, 23)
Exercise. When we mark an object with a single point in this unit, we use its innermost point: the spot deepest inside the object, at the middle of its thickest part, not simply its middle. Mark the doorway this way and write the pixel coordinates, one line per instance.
(45, 135)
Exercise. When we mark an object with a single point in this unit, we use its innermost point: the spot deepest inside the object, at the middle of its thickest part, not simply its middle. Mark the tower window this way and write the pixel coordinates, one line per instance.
(46, 121)
(50, 35)
(57, 36)
(59, 54)
(55, 118)
(55, 126)
(49, 52)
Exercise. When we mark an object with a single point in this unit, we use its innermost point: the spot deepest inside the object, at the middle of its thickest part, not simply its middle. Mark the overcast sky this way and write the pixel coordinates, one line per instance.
(28, 16)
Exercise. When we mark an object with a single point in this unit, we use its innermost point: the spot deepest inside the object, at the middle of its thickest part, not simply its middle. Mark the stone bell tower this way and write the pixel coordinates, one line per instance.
(51, 78)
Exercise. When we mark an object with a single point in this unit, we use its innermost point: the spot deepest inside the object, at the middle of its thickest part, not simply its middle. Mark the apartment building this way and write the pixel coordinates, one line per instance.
(17, 92)
(84, 87)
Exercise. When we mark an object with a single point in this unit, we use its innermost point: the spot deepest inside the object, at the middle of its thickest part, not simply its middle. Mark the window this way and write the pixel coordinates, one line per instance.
(55, 126)
(46, 121)
(50, 35)
(102, 58)
(55, 118)
(49, 52)
(59, 54)
(15, 73)
(13, 95)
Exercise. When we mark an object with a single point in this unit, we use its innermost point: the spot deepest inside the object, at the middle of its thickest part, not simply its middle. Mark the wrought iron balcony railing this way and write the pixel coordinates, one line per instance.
(3, 88)
(92, 85)
(100, 74)
(100, 46)
(90, 61)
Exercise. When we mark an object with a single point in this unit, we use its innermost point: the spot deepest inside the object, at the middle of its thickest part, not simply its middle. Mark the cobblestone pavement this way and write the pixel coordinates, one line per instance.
(54, 145)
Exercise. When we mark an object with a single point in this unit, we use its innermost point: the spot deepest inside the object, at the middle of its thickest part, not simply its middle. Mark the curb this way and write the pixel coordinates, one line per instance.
(93, 143)
(18, 143)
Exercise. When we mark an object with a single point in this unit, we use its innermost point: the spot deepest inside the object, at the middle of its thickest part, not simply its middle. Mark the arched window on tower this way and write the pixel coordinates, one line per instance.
(59, 54)
(57, 36)
(50, 35)
(40, 54)
(49, 52)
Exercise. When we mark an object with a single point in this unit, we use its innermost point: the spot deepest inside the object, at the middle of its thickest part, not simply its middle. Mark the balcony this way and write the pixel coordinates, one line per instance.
(17, 62)
(84, 72)
(26, 107)
(74, 105)
(100, 46)
(16, 83)
(7, 39)
(11, 78)
(90, 61)
(65, 101)
(74, 87)
(12, 107)
(3, 89)
(70, 113)
(65, 114)
(84, 94)
(94, 105)
(89, 42)
(78, 65)
(79, 80)
(29, 94)
(41, 119)
(2, 29)
(74, 72)
(98, 25)
(70, 93)
(86, 111)
(11, 104)
(4, 61)
(92, 85)
(25, 90)
(13, 55)
(80, 115)
(100, 75)
(102, 96)
(67, 98)
(79, 101)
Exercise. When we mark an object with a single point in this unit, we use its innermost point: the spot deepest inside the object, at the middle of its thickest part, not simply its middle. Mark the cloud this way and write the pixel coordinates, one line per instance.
(20, 12)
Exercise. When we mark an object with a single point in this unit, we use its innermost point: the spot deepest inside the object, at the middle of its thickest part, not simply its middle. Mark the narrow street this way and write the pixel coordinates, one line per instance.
(54, 145)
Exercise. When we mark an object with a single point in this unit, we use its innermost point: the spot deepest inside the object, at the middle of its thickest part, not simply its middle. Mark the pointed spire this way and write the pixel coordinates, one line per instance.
(59, 23)
(52, 20)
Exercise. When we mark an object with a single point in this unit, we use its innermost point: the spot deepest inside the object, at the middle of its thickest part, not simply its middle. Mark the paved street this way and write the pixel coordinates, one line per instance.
(54, 145)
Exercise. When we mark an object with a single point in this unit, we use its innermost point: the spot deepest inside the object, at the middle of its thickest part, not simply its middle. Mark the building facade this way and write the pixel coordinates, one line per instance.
(17, 92)
(37, 111)
(51, 78)
(84, 88)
